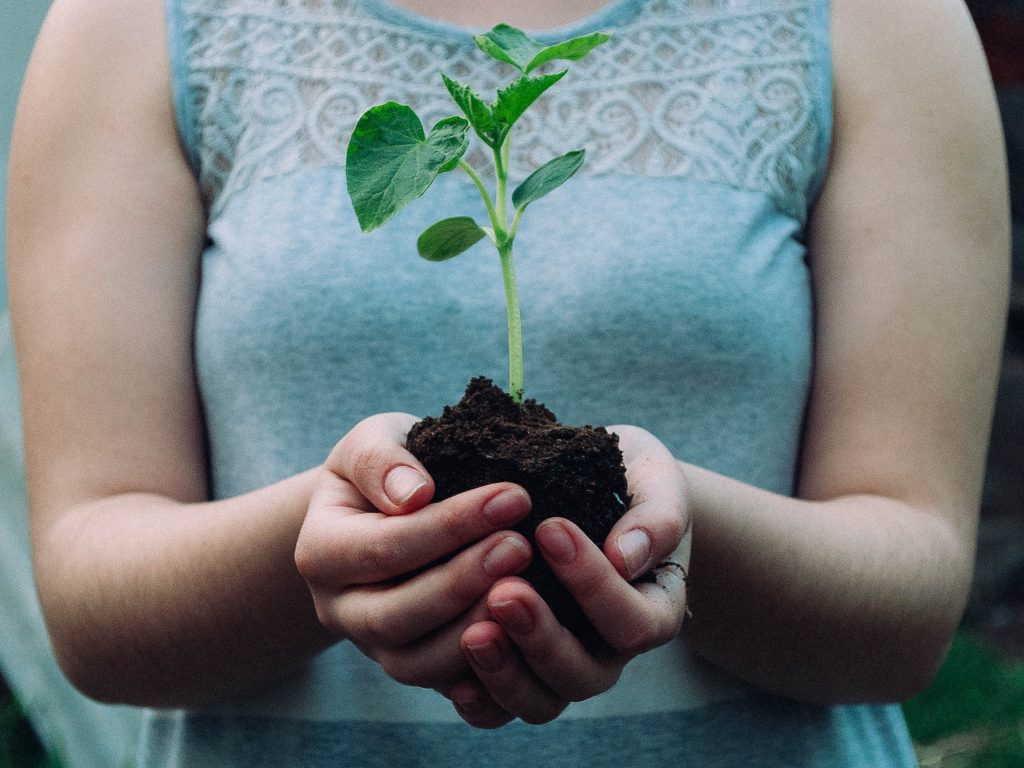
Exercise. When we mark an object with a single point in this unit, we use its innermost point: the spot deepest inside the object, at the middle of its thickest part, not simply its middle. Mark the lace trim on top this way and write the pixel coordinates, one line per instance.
(722, 91)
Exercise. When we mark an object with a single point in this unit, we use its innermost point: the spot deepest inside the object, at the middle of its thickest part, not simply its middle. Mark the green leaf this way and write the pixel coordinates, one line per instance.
(477, 111)
(514, 100)
(448, 238)
(390, 162)
(492, 122)
(553, 174)
(975, 688)
(570, 50)
(513, 46)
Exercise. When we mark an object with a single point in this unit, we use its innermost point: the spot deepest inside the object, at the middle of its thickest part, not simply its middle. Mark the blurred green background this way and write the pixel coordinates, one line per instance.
(973, 714)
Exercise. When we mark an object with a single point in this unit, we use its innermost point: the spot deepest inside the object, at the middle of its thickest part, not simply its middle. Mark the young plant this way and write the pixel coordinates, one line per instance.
(391, 161)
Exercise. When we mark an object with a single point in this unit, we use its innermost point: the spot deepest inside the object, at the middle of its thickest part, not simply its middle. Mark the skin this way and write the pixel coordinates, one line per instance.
(525, 15)
(355, 539)
(849, 592)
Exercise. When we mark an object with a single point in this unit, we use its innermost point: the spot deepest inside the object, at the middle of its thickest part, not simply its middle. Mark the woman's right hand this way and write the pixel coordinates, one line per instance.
(398, 576)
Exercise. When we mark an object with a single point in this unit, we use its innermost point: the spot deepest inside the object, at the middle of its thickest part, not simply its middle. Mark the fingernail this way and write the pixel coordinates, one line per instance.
(635, 547)
(556, 543)
(513, 616)
(507, 507)
(508, 555)
(401, 483)
(487, 656)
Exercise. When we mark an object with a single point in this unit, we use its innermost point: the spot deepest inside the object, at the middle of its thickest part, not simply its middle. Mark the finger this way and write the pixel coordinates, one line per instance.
(374, 458)
(475, 705)
(511, 684)
(368, 548)
(333, 493)
(557, 658)
(653, 527)
(390, 615)
(434, 661)
(632, 618)
(323, 542)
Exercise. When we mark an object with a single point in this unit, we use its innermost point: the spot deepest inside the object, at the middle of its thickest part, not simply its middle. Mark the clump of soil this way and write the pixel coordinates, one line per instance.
(571, 472)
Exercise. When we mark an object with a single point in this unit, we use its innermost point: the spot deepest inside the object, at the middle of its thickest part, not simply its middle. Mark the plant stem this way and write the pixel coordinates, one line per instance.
(515, 325)
(491, 213)
(503, 240)
(508, 274)
(515, 223)
(497, 211)
(501, 193)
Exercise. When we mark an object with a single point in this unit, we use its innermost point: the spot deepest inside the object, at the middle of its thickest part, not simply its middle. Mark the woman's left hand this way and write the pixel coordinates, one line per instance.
(527, 665)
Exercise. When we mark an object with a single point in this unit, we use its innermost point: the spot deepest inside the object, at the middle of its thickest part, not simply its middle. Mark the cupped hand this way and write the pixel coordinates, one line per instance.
(526, 664)
(398, 576)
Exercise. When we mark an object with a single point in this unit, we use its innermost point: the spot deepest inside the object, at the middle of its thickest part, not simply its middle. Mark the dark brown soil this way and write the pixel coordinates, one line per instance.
(571, 472)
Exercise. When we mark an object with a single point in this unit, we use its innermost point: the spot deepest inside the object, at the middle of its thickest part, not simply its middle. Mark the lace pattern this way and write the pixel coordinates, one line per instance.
(721, 91)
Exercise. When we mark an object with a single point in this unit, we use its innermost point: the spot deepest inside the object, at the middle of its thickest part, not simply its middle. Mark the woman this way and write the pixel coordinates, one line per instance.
(197, 323)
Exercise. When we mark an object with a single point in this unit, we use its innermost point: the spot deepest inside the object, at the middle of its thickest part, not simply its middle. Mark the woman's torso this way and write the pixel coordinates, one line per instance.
(665, 286)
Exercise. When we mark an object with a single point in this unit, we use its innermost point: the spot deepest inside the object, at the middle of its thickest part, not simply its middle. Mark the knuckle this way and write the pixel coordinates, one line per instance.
(461, 593)
(365, 463)
(452, 523)
(380, 557)
(674, 529)
(358, 453)
(306, 561)
(402, 671)
(338, 456)
(323, 562)
(326, 617)
(642, 637)
(311, 561)
(636, 642)
(375, 628)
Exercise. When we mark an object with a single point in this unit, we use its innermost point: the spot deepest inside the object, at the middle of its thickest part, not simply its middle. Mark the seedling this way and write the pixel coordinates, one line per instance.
(391, 161)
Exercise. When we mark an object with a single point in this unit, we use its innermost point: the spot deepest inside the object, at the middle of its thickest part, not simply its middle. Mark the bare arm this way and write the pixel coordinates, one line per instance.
(151, 595)
(852, 592)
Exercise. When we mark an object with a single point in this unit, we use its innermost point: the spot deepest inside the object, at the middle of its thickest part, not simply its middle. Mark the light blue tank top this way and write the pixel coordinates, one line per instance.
(665, 286)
